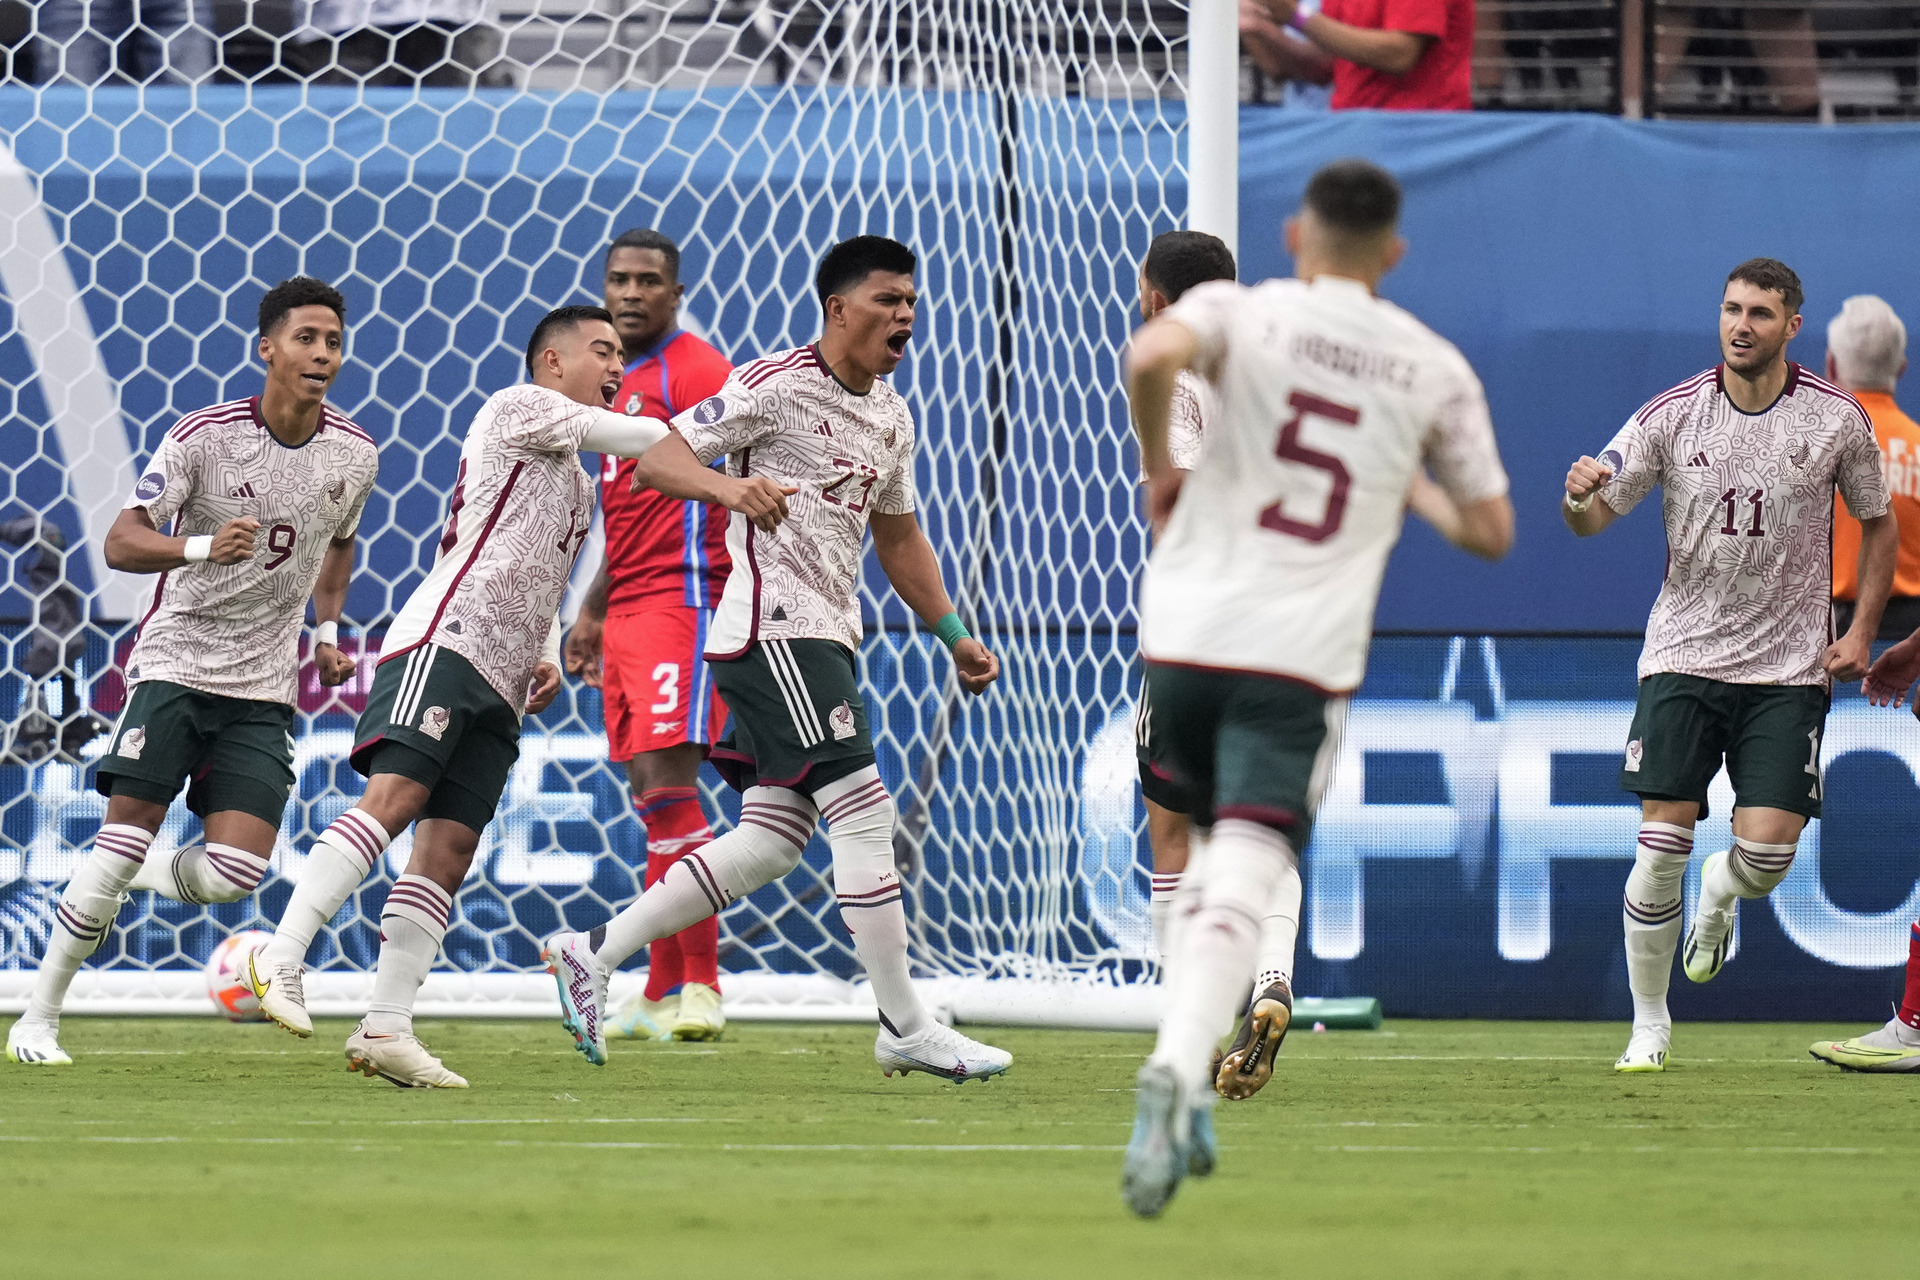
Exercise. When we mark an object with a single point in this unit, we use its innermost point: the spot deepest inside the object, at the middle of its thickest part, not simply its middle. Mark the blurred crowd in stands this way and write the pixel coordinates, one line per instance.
(1772, 58)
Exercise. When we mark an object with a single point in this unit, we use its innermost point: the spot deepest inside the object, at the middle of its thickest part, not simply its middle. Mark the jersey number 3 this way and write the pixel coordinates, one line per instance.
(1289, 449)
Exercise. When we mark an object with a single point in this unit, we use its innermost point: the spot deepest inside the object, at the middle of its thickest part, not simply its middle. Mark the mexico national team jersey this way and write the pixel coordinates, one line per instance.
(1328, 400)
(788, 418)
(1749, 514)
(663, 551)
(1187, 420)
(234, 629)
(521, 507)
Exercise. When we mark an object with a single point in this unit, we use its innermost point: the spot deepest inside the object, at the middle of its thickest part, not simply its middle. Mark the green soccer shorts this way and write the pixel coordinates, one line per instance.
(433, 718)
(1768, 735)
(1246, 745)
(234, 754)
(798, 718)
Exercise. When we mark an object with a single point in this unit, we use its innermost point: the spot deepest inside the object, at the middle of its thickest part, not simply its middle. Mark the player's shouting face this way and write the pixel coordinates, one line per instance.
(583, 363)
(1754, 327)
(877, 315)
(302, 354)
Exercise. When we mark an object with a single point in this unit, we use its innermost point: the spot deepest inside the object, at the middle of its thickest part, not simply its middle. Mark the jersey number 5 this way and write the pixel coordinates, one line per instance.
(1289, 449)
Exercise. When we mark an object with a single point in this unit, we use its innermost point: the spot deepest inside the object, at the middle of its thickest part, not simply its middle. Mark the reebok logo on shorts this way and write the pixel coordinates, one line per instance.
(1634, 751)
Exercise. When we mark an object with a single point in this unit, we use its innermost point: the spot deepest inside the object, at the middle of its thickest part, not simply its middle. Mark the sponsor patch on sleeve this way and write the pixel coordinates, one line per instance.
(151, 486)
(710, 410)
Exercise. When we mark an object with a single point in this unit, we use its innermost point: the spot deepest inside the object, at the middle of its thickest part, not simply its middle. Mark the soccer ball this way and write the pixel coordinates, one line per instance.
(226, 977)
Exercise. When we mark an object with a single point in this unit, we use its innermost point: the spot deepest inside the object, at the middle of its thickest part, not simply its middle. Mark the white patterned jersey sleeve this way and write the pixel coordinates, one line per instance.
(541, 420)
(1860, 472)
(1461, 451)
(722, 425)
(169, 479)
(896, 495)
(1637, 455)
(1186, 420)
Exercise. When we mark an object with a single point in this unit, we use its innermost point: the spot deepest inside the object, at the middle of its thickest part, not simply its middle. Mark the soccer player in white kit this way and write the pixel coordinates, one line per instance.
(1258, 605)
(264, 495)
(783, 648)
(475, 648)
(1740, 653)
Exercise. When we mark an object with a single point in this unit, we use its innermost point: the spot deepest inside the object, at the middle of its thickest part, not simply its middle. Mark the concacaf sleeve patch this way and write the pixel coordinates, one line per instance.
(710, 410)
(151, 486)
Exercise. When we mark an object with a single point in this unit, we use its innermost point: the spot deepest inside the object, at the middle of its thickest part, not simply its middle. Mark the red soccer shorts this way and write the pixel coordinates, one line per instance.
(657, 690)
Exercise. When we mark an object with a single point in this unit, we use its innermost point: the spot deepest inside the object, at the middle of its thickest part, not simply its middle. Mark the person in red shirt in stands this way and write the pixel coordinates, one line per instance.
(1388, 55)
(643, 627)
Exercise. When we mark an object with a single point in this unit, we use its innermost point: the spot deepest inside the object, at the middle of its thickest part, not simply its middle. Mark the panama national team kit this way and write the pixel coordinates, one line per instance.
(666, 566)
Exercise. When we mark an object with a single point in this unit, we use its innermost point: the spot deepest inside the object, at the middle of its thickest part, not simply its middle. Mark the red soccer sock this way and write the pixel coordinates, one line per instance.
(1910, 1004)
(676, 826)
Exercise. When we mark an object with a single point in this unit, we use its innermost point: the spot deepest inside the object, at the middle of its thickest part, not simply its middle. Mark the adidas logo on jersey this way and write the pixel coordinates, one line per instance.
(821, 428)
(779, 614)
(244, 491)
(1697, 460)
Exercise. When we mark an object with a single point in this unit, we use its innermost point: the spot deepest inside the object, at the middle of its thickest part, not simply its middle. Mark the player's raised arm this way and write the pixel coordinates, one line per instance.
(907, 558)
(670, 467)
(134, 545)
(1584, 510)
(1155, 358)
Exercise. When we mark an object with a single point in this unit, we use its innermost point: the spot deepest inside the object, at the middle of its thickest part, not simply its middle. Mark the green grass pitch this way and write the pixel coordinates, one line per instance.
(199, 1149)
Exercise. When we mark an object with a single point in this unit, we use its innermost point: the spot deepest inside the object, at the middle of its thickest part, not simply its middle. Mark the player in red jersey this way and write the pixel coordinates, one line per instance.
(643, 627)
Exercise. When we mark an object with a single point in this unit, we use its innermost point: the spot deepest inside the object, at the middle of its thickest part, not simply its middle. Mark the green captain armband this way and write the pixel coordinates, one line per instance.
(951, 630)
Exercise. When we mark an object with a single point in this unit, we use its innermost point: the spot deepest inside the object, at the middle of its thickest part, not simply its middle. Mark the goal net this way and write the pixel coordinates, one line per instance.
(456, 182)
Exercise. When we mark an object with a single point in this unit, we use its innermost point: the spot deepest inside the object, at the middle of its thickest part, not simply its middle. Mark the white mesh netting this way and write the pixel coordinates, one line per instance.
(1028, 151)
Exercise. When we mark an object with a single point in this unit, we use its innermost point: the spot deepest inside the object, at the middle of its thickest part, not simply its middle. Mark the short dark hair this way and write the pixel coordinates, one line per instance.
(300, 291)
(1355, 196)
(648, 238)
(1179, 260)
(851, 261)
(556, 320)
(1771, 273)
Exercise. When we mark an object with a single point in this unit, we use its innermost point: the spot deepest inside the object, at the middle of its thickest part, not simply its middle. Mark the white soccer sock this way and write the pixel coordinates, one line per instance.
(1217, 944)
(1279, 931)
(1750, 870)
(340, 860)
(1165, 885)
(775, 824)
(411, 926)
(203, 873)
(86, 911)
(860, 816)
(1650, 915)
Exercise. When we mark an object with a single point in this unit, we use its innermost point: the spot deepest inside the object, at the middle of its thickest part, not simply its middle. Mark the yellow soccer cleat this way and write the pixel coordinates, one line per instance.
(699, 1017)
(638, 1018)
(1893, 1047)
(33, 1043)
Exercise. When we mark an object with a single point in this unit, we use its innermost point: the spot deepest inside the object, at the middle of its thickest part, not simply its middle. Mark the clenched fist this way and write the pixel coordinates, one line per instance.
(234, 542)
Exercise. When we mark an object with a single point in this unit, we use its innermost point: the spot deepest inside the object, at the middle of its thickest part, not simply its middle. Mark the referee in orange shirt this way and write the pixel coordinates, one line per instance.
(1866, 354)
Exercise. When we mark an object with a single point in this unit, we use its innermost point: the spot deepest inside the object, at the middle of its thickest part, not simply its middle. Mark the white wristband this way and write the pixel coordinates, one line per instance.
(1582, 504)
(199, 547)
(326, 633)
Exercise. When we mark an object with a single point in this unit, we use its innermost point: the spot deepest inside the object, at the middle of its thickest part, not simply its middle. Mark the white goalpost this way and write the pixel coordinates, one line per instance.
(1027, 149)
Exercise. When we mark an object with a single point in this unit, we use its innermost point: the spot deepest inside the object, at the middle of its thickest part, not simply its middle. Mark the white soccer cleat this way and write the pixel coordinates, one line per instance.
(399, 1059)
(1160, 1153)
(583, 992)
(1705, 950)
(33, 1043)
(940, 1051)
(1646, 1050)
(282, 993)
(699, 1016)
